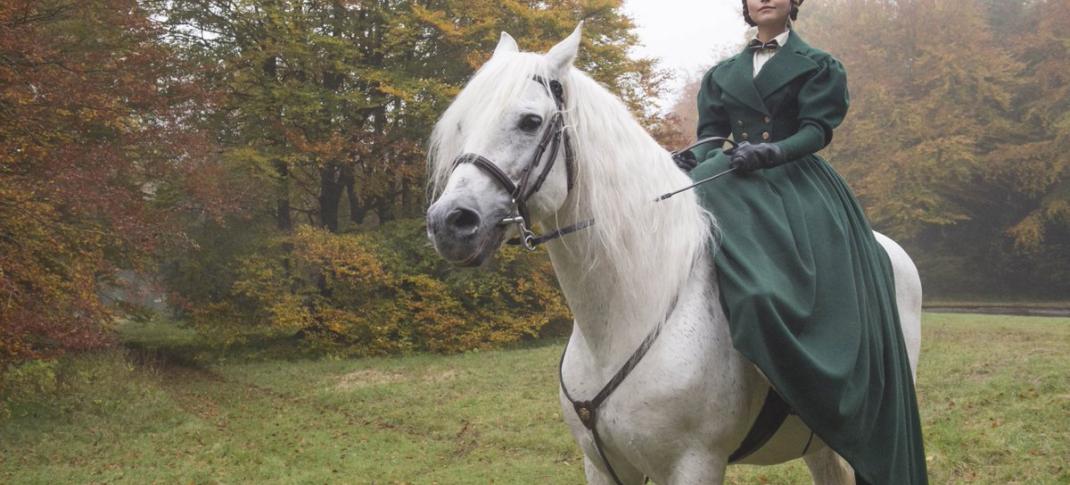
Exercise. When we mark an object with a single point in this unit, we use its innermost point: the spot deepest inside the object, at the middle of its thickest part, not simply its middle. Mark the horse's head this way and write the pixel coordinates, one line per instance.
(499, 153)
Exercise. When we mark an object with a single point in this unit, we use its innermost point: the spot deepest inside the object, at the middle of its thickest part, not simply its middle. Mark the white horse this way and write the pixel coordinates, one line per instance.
(688, 404)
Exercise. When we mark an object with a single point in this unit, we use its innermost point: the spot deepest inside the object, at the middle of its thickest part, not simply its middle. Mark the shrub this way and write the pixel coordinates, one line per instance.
(383, 292)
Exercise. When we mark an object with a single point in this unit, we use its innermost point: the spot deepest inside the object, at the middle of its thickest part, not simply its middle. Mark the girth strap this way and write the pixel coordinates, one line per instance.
(772, 416)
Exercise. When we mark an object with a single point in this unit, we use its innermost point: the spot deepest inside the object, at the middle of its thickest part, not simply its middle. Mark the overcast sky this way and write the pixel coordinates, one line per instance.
(687, 35)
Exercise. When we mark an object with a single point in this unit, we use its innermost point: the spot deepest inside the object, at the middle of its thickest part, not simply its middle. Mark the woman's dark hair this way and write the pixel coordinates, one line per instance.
(794, 12)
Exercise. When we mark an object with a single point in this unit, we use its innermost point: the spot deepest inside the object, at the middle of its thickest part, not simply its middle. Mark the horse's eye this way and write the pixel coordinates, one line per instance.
(530, 123)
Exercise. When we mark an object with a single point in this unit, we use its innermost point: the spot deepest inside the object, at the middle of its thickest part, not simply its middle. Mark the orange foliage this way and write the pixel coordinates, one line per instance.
(387, 292)
(87, 144)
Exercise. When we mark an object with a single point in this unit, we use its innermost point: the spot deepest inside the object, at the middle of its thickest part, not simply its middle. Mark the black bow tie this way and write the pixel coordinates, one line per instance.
(758, 45)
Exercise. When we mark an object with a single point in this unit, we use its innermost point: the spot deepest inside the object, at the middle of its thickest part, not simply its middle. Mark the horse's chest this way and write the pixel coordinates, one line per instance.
(677, 390)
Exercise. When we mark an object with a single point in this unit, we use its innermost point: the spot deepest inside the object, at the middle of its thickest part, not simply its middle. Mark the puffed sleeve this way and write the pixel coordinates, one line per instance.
(712, 116)
(823, 103)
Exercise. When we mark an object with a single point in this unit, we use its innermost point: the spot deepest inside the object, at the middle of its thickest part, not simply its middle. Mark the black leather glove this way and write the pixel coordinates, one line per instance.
(748, 158)
(685, 160)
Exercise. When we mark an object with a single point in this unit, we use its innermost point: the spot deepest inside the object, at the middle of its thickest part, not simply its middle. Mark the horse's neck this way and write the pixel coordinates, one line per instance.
(621, 276)
(606, 317)
(615, 311)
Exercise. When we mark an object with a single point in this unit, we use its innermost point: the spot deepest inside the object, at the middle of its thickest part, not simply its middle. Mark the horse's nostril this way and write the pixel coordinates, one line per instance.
(463, 220)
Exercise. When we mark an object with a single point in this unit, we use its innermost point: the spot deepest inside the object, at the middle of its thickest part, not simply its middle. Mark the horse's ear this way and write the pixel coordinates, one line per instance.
(562, 55)
(506, 44)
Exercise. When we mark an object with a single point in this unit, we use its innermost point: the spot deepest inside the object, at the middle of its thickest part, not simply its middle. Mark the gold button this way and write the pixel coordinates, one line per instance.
(765, 135)
(767, 119)
(744, 135)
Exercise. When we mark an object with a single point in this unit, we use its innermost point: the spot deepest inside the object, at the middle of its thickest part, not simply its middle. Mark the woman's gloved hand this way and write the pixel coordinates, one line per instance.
(685, 160)
(748, 158)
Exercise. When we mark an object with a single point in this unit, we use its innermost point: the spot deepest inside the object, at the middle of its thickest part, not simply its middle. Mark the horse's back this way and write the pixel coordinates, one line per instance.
(907, 296)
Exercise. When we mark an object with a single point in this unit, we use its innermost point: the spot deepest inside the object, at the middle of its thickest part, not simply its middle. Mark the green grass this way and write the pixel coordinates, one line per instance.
(994, 393)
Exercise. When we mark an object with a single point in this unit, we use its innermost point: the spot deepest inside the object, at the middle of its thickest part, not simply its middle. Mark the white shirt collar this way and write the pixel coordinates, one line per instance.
(780, 39)
(761, 56)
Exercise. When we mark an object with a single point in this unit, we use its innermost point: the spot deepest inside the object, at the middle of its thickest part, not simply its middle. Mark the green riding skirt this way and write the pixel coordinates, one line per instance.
(810, 297)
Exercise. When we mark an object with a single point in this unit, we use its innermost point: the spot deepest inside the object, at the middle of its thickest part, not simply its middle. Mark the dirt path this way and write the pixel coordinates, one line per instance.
(207, 394)
(1002, 310)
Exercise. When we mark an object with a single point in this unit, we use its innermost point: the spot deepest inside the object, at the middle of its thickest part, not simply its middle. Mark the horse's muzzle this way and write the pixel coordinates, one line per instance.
(461, 235)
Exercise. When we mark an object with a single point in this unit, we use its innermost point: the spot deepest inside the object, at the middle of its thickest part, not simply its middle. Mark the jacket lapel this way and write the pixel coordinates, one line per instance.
(789, 63)
(737, 79)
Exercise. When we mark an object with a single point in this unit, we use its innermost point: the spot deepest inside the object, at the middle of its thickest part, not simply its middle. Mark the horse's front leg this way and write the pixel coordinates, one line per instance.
(698, 467)
(828, 468)
(596, 476)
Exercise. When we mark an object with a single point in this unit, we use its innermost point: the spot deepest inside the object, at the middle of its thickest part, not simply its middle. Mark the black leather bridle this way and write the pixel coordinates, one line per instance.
(553, 138)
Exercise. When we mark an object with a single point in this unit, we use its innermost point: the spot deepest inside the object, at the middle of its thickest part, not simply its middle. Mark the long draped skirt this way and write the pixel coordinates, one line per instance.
(810, 297)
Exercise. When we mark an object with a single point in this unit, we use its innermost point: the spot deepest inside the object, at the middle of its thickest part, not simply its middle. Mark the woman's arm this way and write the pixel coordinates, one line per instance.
(809, 139)
(712, 116)
(823, 103)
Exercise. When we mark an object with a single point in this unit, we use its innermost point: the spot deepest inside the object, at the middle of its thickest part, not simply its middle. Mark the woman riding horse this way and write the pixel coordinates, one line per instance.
(808, 291)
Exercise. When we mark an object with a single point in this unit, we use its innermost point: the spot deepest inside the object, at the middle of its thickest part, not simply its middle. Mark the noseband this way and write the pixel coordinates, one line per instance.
(553, 137)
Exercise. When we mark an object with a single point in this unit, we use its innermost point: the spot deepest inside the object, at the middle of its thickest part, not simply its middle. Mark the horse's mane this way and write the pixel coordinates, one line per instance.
(620, 169)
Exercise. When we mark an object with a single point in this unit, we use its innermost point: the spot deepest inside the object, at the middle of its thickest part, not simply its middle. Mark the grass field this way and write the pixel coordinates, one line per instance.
(994, 394)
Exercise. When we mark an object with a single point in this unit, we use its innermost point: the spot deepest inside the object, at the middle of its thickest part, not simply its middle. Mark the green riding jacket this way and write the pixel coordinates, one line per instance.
(807, 289)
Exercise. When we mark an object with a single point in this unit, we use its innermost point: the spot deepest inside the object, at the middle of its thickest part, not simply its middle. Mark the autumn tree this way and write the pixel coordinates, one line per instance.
(1041, 172)
(329, 104)
(334, 99)
(92, 158)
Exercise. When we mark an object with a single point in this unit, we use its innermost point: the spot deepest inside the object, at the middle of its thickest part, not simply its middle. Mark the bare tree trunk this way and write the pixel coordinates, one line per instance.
(330, 195)
(349, 182)
(283, 221)
(282, 201)
(385, 210)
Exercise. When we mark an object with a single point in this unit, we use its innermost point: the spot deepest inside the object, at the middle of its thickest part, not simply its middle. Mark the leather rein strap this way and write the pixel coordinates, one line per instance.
(772, 415)
(588, 410)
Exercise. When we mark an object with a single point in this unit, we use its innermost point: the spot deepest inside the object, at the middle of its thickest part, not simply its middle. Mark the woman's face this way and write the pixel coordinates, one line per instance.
(769, 13)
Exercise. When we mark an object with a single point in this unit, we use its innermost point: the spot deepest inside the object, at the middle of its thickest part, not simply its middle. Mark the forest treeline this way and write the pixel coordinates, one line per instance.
(263, 161)
(251, 157)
